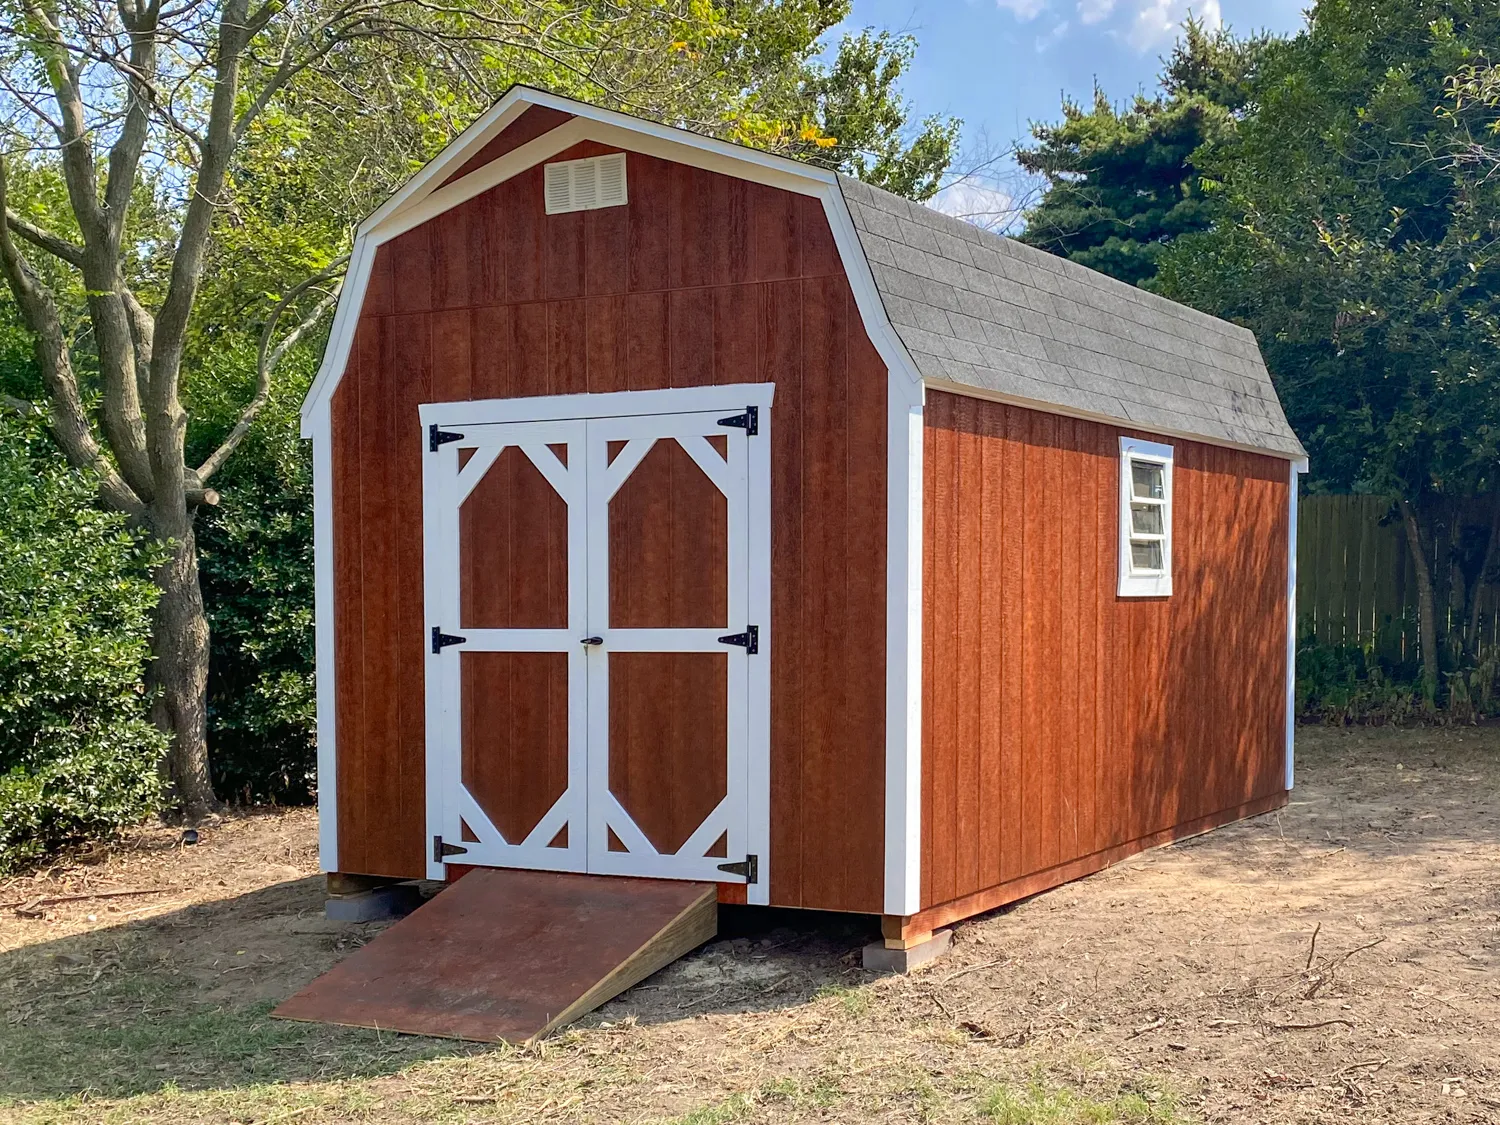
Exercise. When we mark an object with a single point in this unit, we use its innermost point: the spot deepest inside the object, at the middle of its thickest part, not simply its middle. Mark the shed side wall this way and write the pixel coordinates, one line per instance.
(1060, 720)
(702, 279)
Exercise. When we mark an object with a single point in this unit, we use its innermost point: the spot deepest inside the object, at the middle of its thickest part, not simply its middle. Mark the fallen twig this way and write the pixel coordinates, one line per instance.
(1308, 1026)
(972, 969)
(1160, 1021)
(1312, 947)
(53, 900)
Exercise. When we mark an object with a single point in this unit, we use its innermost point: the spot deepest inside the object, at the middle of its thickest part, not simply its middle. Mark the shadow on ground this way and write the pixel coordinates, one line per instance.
(184, 998)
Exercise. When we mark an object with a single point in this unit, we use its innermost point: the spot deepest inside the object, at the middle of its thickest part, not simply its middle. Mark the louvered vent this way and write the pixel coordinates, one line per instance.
(584, 185)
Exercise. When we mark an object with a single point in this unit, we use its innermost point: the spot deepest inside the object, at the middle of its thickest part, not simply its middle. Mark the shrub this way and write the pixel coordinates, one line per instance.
(1349, 684)
(256, 563)
(78, 754)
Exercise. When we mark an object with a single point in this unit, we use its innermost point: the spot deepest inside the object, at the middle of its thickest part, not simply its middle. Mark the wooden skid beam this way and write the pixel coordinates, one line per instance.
(904, 932)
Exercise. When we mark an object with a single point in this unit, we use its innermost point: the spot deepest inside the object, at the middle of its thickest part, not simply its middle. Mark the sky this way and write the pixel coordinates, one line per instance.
(999, 64)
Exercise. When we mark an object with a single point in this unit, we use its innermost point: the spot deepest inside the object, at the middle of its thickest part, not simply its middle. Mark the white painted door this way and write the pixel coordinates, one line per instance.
(506, 676)
(597, 595)
(668, 679)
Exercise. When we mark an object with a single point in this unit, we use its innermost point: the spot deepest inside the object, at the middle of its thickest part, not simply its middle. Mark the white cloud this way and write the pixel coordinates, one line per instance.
(1157, 21)
(1093, 11)
(990, 207)
(1045, 41)
(1023, 10)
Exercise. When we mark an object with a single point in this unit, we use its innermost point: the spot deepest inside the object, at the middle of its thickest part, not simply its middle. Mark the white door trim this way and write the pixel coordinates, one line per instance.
(549, 420)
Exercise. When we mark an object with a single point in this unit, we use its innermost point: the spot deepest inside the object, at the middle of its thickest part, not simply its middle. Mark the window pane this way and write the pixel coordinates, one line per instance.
(1145, 519)
(1148, 480)
(1146, 556)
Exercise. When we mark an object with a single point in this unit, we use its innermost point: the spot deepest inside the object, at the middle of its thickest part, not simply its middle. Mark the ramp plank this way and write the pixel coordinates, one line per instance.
(511, 955)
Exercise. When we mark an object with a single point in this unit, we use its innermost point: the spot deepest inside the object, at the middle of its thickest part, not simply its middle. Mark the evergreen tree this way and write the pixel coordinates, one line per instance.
(1120, 182)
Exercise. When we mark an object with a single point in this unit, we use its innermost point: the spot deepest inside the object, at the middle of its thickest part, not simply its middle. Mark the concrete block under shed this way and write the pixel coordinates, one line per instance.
(879, 959)
(378, 905)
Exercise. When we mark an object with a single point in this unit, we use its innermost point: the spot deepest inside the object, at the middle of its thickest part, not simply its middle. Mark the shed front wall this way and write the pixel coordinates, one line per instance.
(701, 279)
(1061, 721)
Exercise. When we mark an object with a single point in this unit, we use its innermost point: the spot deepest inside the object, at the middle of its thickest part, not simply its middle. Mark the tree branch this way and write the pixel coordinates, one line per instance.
(55, 245)
(268, 357)
(69, 421)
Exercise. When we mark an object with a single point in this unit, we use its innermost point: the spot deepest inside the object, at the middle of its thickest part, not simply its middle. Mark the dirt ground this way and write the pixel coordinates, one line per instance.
(1336, 961)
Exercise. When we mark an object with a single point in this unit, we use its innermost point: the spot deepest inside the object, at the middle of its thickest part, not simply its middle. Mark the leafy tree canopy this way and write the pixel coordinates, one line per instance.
(1120, 181)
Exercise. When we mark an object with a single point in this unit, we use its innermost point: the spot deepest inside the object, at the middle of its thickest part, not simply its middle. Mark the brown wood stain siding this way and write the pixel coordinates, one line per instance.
(1059, 720)
(702, 279)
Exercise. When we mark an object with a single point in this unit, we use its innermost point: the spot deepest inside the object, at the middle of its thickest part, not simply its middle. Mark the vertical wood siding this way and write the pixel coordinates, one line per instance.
(1060, 720)
(702, 279)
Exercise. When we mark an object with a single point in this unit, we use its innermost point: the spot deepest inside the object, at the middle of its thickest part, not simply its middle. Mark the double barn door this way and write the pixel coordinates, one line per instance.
(597, 606)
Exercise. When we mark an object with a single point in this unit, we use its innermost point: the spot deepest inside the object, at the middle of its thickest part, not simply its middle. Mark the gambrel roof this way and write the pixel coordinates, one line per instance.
(979, 310)
(946, 304)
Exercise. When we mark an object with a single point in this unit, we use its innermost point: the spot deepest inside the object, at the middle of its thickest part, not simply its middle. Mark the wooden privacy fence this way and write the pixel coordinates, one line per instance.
(1356, 583)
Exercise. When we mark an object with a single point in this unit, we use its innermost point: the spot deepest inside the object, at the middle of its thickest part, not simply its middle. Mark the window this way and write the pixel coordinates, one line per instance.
(1145, 519)
(584, 185)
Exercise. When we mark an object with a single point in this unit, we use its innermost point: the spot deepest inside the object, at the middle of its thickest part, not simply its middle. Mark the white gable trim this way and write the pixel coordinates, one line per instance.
(426, 196)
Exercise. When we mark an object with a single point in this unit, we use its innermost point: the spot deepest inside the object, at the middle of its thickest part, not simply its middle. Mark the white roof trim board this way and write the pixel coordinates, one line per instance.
(955, 307)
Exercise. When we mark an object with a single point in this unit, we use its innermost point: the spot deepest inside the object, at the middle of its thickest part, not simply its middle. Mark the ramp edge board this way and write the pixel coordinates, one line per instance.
(495, 955)
(698, 923)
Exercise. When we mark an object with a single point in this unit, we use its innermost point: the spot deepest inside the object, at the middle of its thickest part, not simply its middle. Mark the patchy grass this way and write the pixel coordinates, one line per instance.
(854, 1001)
(1179, 987)
(1038, 1103)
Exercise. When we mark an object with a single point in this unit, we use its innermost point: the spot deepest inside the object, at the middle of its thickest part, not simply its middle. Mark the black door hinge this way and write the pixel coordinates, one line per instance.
(749, 868)
(748, 421)
(749, 640)
(441, 849)
(441, 640)
(437, 437)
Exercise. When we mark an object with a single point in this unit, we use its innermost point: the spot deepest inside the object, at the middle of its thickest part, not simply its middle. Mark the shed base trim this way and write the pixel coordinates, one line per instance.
(992, 898)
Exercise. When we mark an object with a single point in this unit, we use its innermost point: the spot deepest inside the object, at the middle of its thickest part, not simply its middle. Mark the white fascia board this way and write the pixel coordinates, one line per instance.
(427, 196)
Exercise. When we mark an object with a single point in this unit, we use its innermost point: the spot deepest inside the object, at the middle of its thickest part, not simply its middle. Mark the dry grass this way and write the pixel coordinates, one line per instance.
(1181, 986)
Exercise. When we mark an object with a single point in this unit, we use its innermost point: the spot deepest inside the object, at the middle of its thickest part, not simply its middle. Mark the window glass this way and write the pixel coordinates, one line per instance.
(1145, 519)
(1149, 480)
(1146, 556)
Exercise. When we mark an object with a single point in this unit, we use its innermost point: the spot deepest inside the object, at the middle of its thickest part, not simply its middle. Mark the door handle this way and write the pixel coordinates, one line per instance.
(593, 640)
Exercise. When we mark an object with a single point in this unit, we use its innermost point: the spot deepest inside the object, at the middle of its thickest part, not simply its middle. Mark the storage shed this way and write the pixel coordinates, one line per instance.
(690, 512)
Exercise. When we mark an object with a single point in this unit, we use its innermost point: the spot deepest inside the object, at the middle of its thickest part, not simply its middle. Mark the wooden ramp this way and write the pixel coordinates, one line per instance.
(504, 954)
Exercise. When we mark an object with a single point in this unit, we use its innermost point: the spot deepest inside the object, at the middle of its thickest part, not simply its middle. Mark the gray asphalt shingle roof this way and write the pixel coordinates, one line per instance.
(979, 310)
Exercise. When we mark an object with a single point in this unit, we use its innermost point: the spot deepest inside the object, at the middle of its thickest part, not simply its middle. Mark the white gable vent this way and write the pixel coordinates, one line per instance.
(583, 185)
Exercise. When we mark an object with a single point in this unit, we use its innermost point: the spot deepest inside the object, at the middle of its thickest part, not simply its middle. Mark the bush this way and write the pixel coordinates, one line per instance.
(256, 565)
(78, 754)
(1349, 684)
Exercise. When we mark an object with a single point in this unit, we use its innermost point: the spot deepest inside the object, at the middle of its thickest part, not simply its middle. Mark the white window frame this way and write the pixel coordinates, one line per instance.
(1134, 582)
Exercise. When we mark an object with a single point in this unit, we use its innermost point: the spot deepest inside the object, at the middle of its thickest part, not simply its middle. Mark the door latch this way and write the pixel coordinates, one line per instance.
(748, 421)
(593, 640)
(749, 640)
(441, 849)
(441, 640)
(749, 867)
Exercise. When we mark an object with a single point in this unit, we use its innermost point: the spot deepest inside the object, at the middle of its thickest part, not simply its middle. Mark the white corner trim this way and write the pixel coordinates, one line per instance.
(1297, 469)
(903, 647)
(319, 427)
(1134, 583)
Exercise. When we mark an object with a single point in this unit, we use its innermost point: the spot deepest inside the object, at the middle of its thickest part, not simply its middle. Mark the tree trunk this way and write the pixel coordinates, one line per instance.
(179, 675)
(1426, 603)
(1471, 638)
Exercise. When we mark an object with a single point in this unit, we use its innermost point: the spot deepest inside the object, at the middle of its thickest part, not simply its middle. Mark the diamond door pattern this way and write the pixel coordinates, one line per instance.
(591, 717)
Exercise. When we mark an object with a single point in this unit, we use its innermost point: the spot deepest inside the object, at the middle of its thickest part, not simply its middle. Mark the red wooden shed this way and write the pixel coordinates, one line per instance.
(686, 511)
